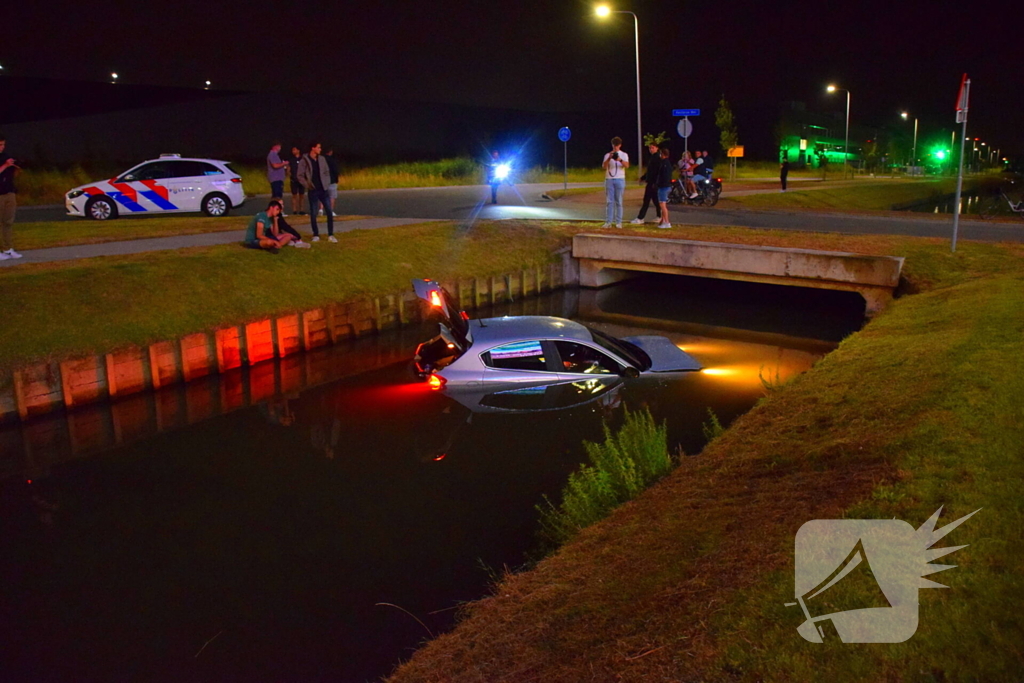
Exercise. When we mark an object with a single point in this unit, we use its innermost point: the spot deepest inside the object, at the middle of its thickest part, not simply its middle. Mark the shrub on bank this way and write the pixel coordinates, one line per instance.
(622, 466)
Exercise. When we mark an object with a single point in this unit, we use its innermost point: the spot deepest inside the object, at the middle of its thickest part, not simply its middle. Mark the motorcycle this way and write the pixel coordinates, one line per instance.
(708, 192)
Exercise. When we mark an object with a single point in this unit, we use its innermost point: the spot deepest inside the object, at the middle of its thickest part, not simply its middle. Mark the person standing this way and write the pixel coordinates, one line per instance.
(784, 172)
(651, 188)
(493, 174)
(664, 182)
(8, 203)
(276, 170)
(615, 164)
(296, 187)
(315, 176)
(332, 190)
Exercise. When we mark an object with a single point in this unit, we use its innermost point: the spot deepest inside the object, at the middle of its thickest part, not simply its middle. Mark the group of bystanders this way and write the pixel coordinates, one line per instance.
(313, 174)
(657, 179)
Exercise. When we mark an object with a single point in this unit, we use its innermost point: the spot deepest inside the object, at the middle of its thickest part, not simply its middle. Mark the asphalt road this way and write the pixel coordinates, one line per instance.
(526, 201)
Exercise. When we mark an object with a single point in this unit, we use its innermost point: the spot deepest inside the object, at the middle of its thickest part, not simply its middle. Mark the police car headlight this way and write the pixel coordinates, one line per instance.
(75, 193)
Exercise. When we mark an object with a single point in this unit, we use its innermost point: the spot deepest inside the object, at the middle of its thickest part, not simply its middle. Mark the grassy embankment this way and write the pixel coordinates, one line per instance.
(45, 234)
(47, 186)
(872, 195)
(921, 409)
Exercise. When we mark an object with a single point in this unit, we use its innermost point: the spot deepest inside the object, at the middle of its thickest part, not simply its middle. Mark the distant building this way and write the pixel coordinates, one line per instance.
(808, 139)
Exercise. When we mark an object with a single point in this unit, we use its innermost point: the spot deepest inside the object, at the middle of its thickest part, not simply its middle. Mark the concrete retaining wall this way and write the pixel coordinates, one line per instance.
(45, 387)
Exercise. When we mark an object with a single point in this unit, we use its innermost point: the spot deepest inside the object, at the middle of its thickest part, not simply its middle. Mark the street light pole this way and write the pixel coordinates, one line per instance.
(604, 11)
(846, 145)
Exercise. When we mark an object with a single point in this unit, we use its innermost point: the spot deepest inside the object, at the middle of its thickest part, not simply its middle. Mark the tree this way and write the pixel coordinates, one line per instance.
(729, 136)
(652, 139)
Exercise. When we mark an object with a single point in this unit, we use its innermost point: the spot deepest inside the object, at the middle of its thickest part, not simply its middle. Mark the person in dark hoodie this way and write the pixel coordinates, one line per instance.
(315, 176)
(651, 189)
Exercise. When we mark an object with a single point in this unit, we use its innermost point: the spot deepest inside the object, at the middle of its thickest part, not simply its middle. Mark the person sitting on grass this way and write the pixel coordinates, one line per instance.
(260, 233)
(280, 225)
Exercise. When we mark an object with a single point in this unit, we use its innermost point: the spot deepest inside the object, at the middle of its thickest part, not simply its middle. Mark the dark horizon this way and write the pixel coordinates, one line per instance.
(556, 57)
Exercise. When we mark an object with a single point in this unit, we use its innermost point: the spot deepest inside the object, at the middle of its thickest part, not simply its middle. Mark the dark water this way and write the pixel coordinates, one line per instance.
(255, 542)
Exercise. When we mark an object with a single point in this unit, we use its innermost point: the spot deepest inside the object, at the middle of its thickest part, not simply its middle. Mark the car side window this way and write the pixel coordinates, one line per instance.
(523, 355)
(578, 358)
(154, 171)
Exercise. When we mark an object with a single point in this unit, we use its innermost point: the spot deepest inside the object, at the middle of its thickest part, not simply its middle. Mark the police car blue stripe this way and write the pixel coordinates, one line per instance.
(127, 203)
(158, 200)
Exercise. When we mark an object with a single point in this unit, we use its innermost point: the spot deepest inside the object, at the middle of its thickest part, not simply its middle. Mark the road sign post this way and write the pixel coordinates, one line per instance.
(564, 134)
(962, 102)
(684, 127)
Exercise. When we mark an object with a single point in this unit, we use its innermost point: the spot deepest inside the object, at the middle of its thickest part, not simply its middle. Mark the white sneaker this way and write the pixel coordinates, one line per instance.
(321, 212)
(334, 214)
(637, 221)
(12, 254)
(301, 245)
(332, 238)
(619, 226)
(664, 225)
(315, 239)
(606, 225)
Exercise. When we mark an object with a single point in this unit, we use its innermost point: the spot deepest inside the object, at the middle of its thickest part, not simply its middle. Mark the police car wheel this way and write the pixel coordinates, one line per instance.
(216, 205)
(101, 209)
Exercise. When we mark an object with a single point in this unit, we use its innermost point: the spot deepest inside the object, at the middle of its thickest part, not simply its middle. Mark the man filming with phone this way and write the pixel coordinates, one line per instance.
(615, 164)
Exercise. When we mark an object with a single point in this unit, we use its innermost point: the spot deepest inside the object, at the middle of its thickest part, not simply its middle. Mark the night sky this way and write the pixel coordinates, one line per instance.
(554, 55)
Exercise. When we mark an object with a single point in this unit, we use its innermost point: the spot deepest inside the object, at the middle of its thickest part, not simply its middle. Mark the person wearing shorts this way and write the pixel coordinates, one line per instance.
(297, 188)
(332, 189)
(260, 233)
(664, 184)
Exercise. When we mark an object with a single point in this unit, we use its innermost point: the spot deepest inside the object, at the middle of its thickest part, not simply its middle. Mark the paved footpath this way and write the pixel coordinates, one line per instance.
(182, 241)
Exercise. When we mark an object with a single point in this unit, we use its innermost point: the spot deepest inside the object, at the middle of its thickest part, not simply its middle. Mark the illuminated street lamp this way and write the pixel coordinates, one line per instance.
(207, 86)
(846, 145)
(113, 77)
(603, 12)
(905, 115)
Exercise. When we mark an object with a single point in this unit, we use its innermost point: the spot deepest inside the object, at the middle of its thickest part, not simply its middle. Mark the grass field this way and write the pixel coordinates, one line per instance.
(48, 186)
(879, 195)
(44, 234)
(920, 409)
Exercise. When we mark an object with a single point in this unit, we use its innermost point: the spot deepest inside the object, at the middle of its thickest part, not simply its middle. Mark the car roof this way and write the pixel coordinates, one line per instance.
(171, 158)
(511, 328)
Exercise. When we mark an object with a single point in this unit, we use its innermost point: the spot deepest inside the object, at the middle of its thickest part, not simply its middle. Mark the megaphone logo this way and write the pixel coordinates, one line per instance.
(858, 580)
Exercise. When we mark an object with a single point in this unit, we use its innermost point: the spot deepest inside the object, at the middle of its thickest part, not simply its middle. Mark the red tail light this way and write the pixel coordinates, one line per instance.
(236, 180)
(436, 382)
(465, 316)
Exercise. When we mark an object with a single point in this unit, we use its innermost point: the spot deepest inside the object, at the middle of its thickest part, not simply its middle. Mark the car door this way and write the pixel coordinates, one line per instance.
(520, 361)
(147, 186)
(579, 361)
(185, 184)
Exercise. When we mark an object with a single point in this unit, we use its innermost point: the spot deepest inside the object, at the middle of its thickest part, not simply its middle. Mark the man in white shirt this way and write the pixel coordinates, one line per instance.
(615, 164)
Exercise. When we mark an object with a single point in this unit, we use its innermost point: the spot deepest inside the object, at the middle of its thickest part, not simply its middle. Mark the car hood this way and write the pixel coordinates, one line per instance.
(665, 356)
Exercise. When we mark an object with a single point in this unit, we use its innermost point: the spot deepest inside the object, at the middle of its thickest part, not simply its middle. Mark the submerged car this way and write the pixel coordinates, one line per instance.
(532, 349)
(169, 184)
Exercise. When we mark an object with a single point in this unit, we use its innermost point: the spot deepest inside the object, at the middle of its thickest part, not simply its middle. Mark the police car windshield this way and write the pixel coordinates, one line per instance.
(636, 356)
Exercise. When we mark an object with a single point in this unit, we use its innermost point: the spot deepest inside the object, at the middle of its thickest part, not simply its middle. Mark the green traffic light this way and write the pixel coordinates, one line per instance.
(940, 155)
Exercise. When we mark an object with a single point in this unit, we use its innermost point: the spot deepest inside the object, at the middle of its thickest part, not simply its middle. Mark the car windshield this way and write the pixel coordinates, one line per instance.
(622, 348)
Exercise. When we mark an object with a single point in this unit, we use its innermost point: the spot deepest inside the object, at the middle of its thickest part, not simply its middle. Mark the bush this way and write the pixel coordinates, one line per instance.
(621, 467)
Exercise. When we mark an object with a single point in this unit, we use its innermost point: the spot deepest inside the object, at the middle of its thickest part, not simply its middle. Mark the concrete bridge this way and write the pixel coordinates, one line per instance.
(605, 259)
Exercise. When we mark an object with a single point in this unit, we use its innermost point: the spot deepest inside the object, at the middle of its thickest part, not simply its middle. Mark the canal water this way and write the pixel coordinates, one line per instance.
(318, 517)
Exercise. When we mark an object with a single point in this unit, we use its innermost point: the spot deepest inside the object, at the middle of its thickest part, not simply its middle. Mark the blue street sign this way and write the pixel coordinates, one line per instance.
(564, 134)
(686, 112)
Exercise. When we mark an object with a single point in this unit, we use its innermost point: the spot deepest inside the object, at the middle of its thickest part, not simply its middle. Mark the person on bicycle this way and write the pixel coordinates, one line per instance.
(686, 165)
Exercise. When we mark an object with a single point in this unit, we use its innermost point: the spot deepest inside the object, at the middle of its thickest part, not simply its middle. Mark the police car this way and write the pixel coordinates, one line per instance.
(167, 184)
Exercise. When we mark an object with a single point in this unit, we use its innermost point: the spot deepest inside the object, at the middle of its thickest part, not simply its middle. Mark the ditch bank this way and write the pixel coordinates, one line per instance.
(919, 410)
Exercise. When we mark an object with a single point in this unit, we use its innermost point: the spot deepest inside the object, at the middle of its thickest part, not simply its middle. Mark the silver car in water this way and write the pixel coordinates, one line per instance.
(532, 349)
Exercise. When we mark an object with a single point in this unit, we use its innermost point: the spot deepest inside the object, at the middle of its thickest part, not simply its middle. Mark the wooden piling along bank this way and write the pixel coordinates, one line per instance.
(45, 387)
